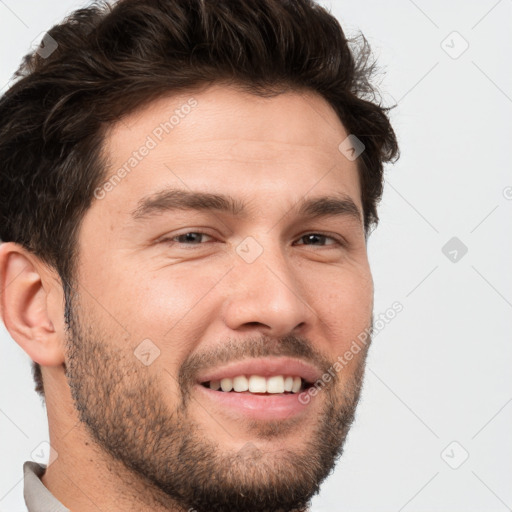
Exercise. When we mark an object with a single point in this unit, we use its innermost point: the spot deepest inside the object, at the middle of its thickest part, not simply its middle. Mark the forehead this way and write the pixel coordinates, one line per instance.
(221, 139)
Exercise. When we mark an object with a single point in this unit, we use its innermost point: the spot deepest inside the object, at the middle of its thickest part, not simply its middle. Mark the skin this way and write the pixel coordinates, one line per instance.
(197, 299)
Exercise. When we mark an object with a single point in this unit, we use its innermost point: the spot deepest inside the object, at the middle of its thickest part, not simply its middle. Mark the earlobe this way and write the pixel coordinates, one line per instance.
(24, 289)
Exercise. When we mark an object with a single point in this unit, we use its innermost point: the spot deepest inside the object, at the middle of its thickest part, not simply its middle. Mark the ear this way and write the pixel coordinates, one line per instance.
(29, 304)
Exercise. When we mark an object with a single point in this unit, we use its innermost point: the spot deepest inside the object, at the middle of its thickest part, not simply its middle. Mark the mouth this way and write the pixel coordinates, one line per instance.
(262, 389)
(259, 385)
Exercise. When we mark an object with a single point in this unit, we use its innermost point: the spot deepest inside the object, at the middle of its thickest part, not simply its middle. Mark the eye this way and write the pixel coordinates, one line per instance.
(313, 238)
(197, 238)
(189, 238)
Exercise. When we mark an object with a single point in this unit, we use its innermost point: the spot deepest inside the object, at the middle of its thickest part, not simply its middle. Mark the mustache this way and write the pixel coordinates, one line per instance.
(237, 350)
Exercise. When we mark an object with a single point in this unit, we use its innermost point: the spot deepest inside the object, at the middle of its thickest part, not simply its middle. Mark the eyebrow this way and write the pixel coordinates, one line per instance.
(174, 199)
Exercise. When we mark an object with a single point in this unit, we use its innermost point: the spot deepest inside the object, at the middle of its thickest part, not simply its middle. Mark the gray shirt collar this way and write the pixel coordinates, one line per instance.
(37, 497)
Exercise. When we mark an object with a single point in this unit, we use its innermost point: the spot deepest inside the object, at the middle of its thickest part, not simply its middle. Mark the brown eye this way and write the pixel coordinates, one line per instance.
(188, 238)
(319, 239)
(193, 237)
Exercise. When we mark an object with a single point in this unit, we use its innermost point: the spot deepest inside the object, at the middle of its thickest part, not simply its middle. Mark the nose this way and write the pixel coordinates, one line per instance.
(267, 294)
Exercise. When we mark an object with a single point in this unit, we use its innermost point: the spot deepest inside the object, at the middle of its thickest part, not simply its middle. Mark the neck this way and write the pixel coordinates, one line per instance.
(83, 477)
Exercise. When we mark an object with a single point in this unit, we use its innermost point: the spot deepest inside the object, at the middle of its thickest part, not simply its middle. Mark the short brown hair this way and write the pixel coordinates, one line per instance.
(108, 61)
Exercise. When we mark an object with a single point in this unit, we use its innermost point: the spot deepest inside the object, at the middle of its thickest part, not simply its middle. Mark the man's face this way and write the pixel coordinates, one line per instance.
(173, 298)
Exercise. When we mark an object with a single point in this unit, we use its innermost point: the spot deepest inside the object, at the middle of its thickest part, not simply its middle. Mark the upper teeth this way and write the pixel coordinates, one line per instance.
(258, 384)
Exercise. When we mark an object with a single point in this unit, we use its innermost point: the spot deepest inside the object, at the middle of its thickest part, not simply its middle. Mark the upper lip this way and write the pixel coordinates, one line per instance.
(265, 367)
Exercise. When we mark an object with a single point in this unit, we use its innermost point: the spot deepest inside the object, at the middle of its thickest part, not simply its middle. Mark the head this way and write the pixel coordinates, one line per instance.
(177, 204)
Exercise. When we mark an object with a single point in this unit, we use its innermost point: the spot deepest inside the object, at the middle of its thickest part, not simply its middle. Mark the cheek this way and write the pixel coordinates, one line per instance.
(348, 320)
(171, 308)
(347, 307)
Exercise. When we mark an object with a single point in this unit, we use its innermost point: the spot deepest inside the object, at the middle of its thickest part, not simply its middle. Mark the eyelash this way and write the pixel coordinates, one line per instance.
(338, 240)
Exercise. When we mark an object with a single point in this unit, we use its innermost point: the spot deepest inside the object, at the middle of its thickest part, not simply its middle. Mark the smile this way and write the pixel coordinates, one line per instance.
(257, 384)
(259, 389)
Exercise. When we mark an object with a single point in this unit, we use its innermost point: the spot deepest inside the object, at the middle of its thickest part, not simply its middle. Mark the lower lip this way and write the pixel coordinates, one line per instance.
(258, 407)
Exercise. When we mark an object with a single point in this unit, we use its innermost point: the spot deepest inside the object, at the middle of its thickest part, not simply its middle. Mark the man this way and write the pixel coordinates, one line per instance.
(187, 188)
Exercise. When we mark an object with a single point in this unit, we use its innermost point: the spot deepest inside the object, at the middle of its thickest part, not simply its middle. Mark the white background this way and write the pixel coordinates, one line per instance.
(440, 371)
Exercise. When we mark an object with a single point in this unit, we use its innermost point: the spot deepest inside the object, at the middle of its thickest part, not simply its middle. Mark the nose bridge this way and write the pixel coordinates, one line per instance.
(264, 289)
